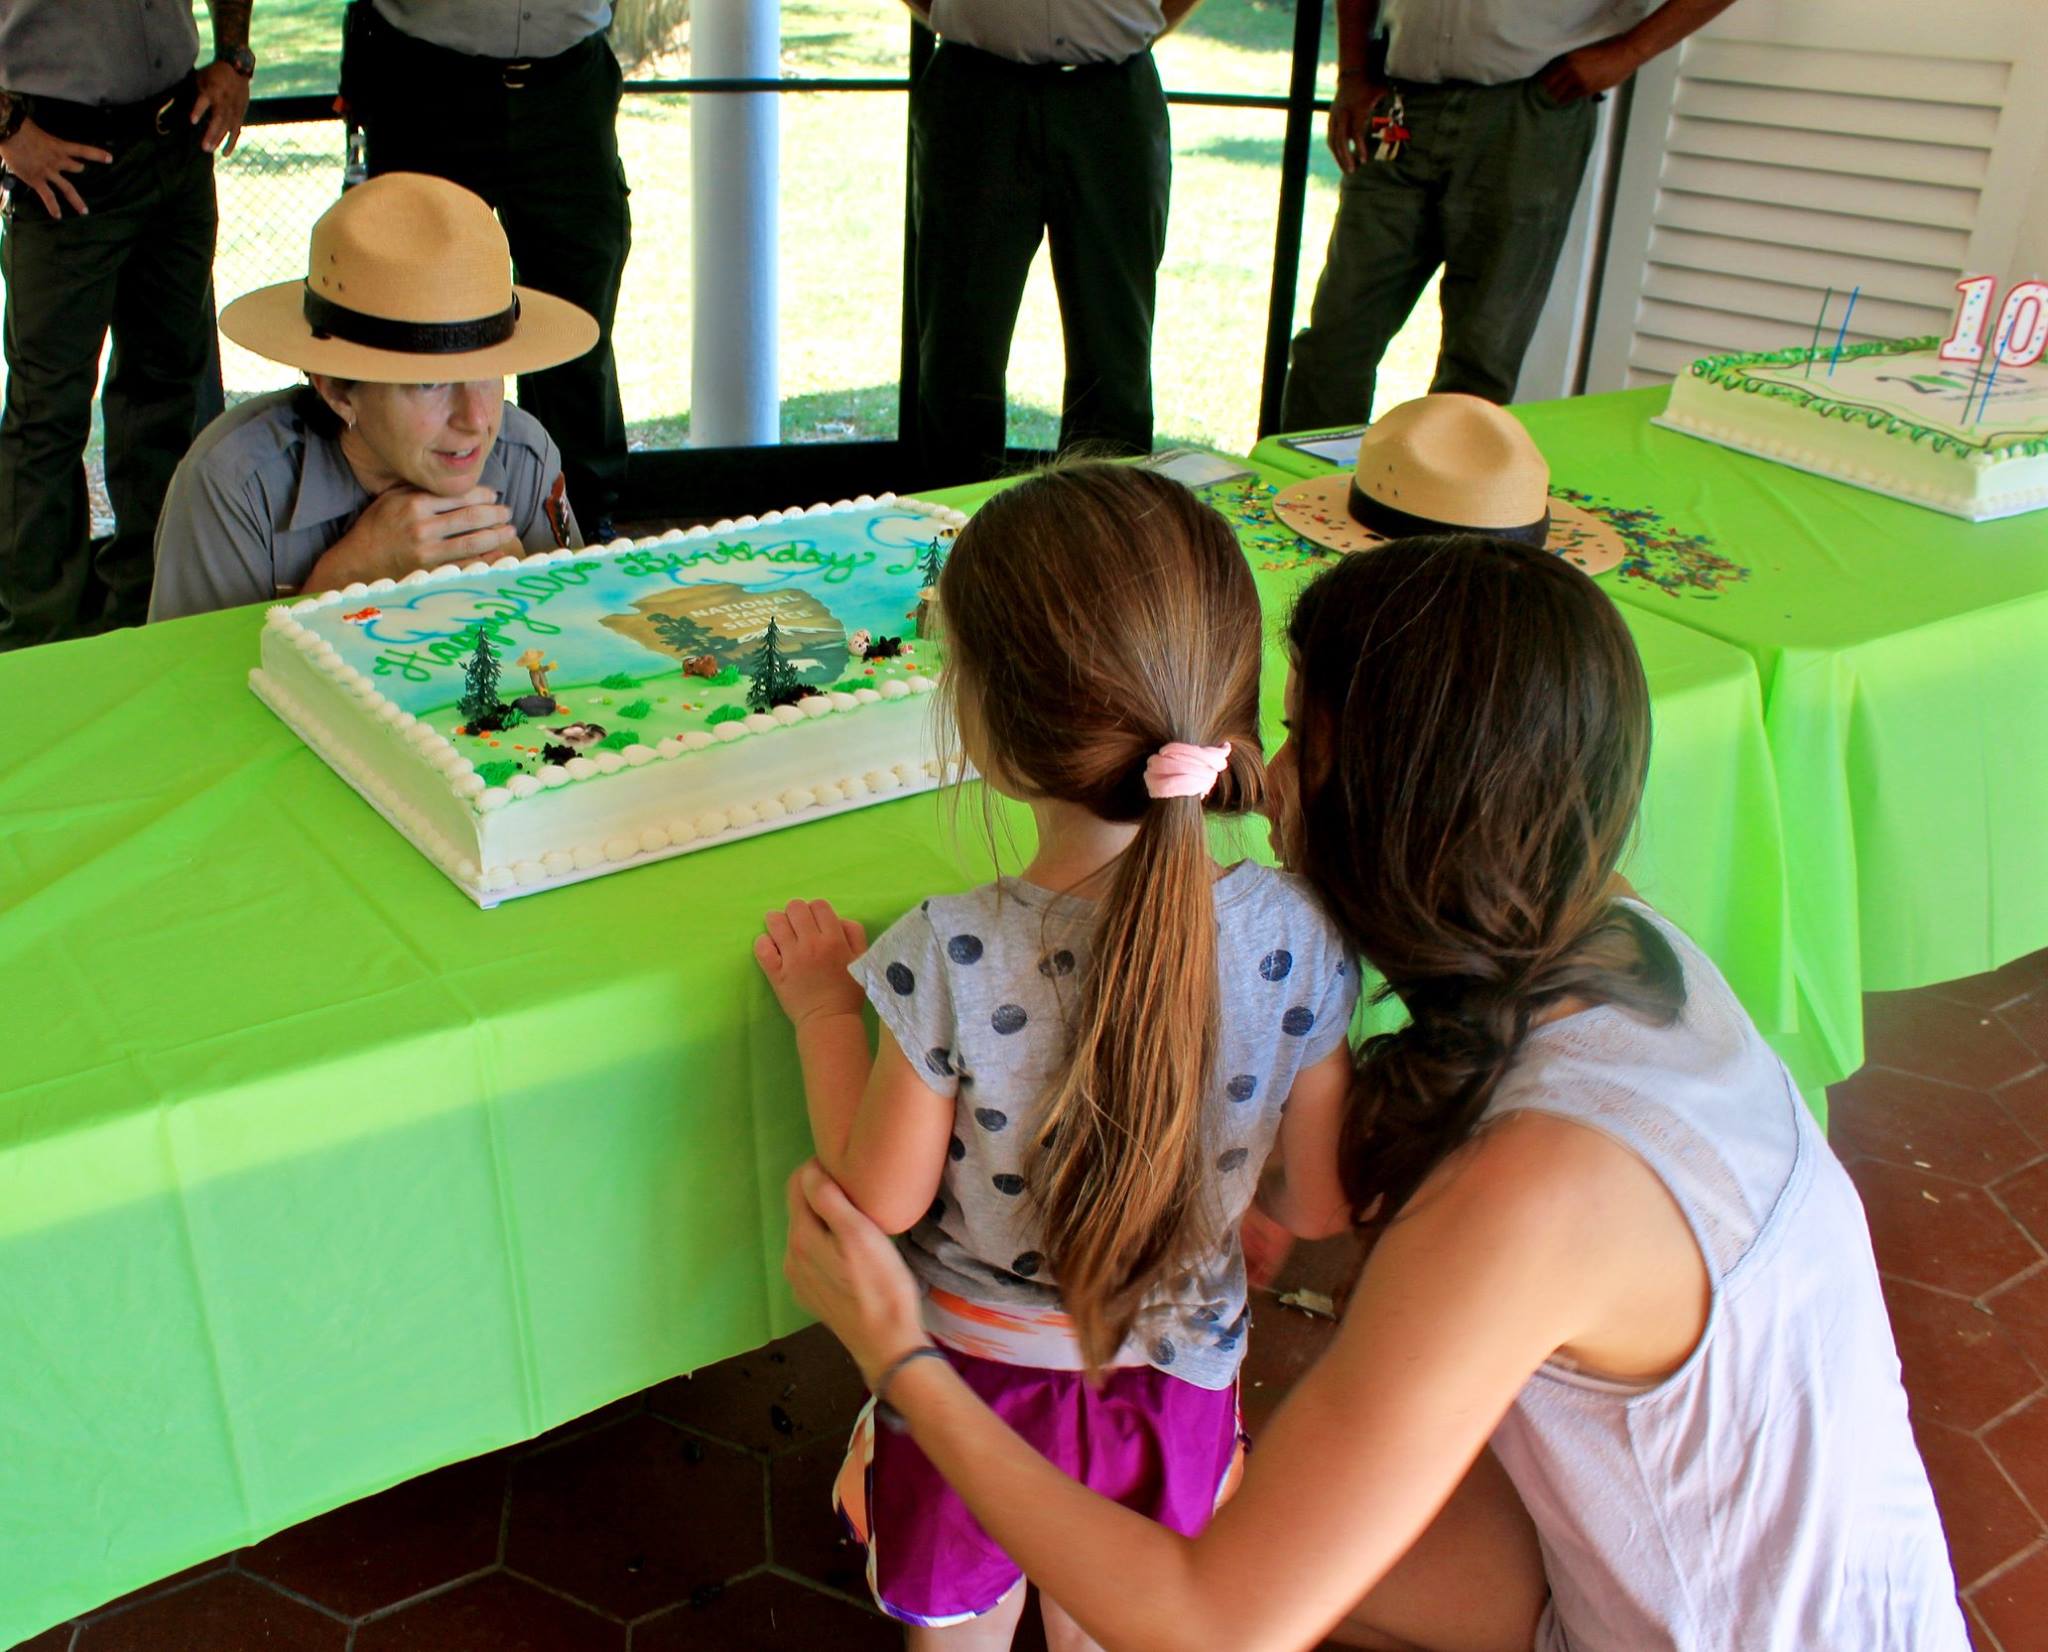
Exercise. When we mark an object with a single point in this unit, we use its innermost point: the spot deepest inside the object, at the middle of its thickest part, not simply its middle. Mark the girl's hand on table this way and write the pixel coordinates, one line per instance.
(846, 1270)
(804, 952)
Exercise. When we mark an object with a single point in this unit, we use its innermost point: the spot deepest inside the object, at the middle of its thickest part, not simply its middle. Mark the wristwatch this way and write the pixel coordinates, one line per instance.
(240, 59)
(14, 111)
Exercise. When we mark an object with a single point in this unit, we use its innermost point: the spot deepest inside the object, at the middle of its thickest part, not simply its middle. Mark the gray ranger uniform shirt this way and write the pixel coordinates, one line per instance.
(976, 989)
(508, 29)
(259, 498)
(95, 51)
(1493, 41)
(1051, 31)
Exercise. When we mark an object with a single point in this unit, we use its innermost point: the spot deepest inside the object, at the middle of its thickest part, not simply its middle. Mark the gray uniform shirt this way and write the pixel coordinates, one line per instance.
(976, 989)
(1492, 41)
(509, 29)
(95, 51)
(1051, 31)
(259, 498)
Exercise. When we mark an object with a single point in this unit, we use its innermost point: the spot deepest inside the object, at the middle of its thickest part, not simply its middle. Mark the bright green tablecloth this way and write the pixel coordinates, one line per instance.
(314, 1177)
(1903, 657)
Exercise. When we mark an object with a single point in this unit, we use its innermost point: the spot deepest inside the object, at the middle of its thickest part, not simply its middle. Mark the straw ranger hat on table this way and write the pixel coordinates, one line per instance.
(1447, 463)
(401, 451)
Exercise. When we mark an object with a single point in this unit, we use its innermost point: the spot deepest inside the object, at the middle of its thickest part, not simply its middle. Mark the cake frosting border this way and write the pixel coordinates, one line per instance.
(465, 789)
(1723, 371)
(1928, 469)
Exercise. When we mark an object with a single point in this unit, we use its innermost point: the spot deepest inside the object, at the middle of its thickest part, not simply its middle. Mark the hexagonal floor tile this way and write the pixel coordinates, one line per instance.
(496, 1613)
(227, 1612)
(1283, 1343)
(50, 1640)
(2025, 1195)
(1998, 986)
(1915, 1032)
(2025, 1101)
(777, 1398)
(384, 1549)
(1937, 1232)
(1915, 1122)
(2022, 1308)
(1961, 1365)
(2020, 1444)
(2014, 1604)
(766, 1613)
(1985, 1520)
(635, 1517)
(808, 1537)
(2029, 1019)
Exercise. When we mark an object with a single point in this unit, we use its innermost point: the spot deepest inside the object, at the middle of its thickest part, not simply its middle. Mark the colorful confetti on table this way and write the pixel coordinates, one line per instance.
(1247, 504)
(1679, 564)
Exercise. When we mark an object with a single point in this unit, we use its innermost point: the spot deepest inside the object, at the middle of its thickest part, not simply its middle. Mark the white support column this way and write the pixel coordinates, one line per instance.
(735, 139)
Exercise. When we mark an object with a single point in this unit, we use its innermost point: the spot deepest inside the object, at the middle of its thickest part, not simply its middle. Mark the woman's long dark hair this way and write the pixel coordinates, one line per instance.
(1474, 727)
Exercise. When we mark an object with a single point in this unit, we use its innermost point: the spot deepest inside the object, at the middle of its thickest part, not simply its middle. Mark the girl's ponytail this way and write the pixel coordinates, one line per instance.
(1120, 1170)
(1102, 620)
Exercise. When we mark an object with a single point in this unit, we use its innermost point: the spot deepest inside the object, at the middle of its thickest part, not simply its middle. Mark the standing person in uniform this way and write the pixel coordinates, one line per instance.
(1035, 121)
(518, 101)
(1462, 135)
(108, 135)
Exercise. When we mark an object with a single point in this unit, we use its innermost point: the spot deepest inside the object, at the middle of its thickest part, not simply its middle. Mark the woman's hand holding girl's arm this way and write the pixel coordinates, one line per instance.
(1497, 1263)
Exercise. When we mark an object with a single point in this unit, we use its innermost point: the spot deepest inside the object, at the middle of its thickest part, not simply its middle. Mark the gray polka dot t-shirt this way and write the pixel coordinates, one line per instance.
(978, 990)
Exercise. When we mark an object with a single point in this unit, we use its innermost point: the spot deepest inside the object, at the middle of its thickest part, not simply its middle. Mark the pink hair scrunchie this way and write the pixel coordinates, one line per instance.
(1178, 769)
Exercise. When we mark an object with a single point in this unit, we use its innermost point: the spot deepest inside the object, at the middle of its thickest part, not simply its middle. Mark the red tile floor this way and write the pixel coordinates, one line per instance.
(695, 1515)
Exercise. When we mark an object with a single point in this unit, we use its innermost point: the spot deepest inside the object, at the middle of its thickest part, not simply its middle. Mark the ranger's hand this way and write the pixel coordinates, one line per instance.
(223, 101)
(41, 162)
(1358, 95)
(407, 528)
(1590, 70)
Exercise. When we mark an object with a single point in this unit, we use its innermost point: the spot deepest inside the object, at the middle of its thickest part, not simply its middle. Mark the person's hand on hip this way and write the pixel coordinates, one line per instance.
(1589, 71)
(41, 161)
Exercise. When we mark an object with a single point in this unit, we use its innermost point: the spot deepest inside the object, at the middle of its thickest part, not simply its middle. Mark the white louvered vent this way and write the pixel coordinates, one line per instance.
(1767, 162)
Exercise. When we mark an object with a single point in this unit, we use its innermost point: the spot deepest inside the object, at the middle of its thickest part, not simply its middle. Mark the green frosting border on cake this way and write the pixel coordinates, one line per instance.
(1728, 372)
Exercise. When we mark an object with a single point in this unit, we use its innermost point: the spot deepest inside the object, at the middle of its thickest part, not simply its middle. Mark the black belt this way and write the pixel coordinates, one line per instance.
(511, 74)
(995, 60)
(110, 125)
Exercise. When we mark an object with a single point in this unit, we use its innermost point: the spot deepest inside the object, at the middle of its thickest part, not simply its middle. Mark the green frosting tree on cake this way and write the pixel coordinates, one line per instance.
(479, 703)
(933, 560)
(774, 679)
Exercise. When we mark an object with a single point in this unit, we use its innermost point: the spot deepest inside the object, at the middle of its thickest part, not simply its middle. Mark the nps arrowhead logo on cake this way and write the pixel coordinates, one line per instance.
(728, 621)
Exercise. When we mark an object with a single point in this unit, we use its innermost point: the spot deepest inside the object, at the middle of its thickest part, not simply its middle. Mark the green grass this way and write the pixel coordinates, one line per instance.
(842, 185)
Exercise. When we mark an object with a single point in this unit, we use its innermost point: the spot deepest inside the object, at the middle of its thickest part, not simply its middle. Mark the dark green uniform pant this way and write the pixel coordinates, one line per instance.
(542, 147)
(139, 263)
(1002, 155)
(1484, 187)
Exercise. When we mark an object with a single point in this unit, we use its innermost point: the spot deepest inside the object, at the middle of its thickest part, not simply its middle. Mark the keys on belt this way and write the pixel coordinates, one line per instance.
(1389, 129)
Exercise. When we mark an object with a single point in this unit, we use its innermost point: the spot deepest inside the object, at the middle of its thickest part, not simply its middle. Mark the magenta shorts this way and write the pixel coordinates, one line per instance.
(1144, 1439)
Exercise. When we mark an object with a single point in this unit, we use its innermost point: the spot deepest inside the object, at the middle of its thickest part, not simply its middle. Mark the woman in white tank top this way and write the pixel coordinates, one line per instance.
(1617, 1376)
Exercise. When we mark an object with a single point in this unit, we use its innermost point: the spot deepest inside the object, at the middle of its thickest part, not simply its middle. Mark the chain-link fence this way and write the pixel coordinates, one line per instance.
(278, 180)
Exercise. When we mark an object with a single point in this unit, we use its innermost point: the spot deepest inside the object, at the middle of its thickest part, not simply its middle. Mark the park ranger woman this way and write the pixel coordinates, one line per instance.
(400, 452)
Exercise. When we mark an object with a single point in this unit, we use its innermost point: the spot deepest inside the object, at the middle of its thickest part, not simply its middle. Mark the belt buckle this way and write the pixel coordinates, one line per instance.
(163, 114)
(520, 70)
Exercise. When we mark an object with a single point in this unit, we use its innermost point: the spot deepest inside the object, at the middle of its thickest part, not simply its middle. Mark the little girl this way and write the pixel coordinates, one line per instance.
(1082, 1071)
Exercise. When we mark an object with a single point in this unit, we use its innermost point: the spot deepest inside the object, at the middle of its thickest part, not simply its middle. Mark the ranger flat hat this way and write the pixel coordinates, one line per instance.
(1447, 463)
(409, 281)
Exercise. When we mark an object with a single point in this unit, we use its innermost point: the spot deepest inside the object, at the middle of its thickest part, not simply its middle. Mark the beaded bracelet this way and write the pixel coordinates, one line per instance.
(889, 1416)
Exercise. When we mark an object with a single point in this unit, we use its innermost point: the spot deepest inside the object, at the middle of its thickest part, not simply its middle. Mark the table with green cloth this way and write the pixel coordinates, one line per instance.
(314, 1177)
(1902, 656)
